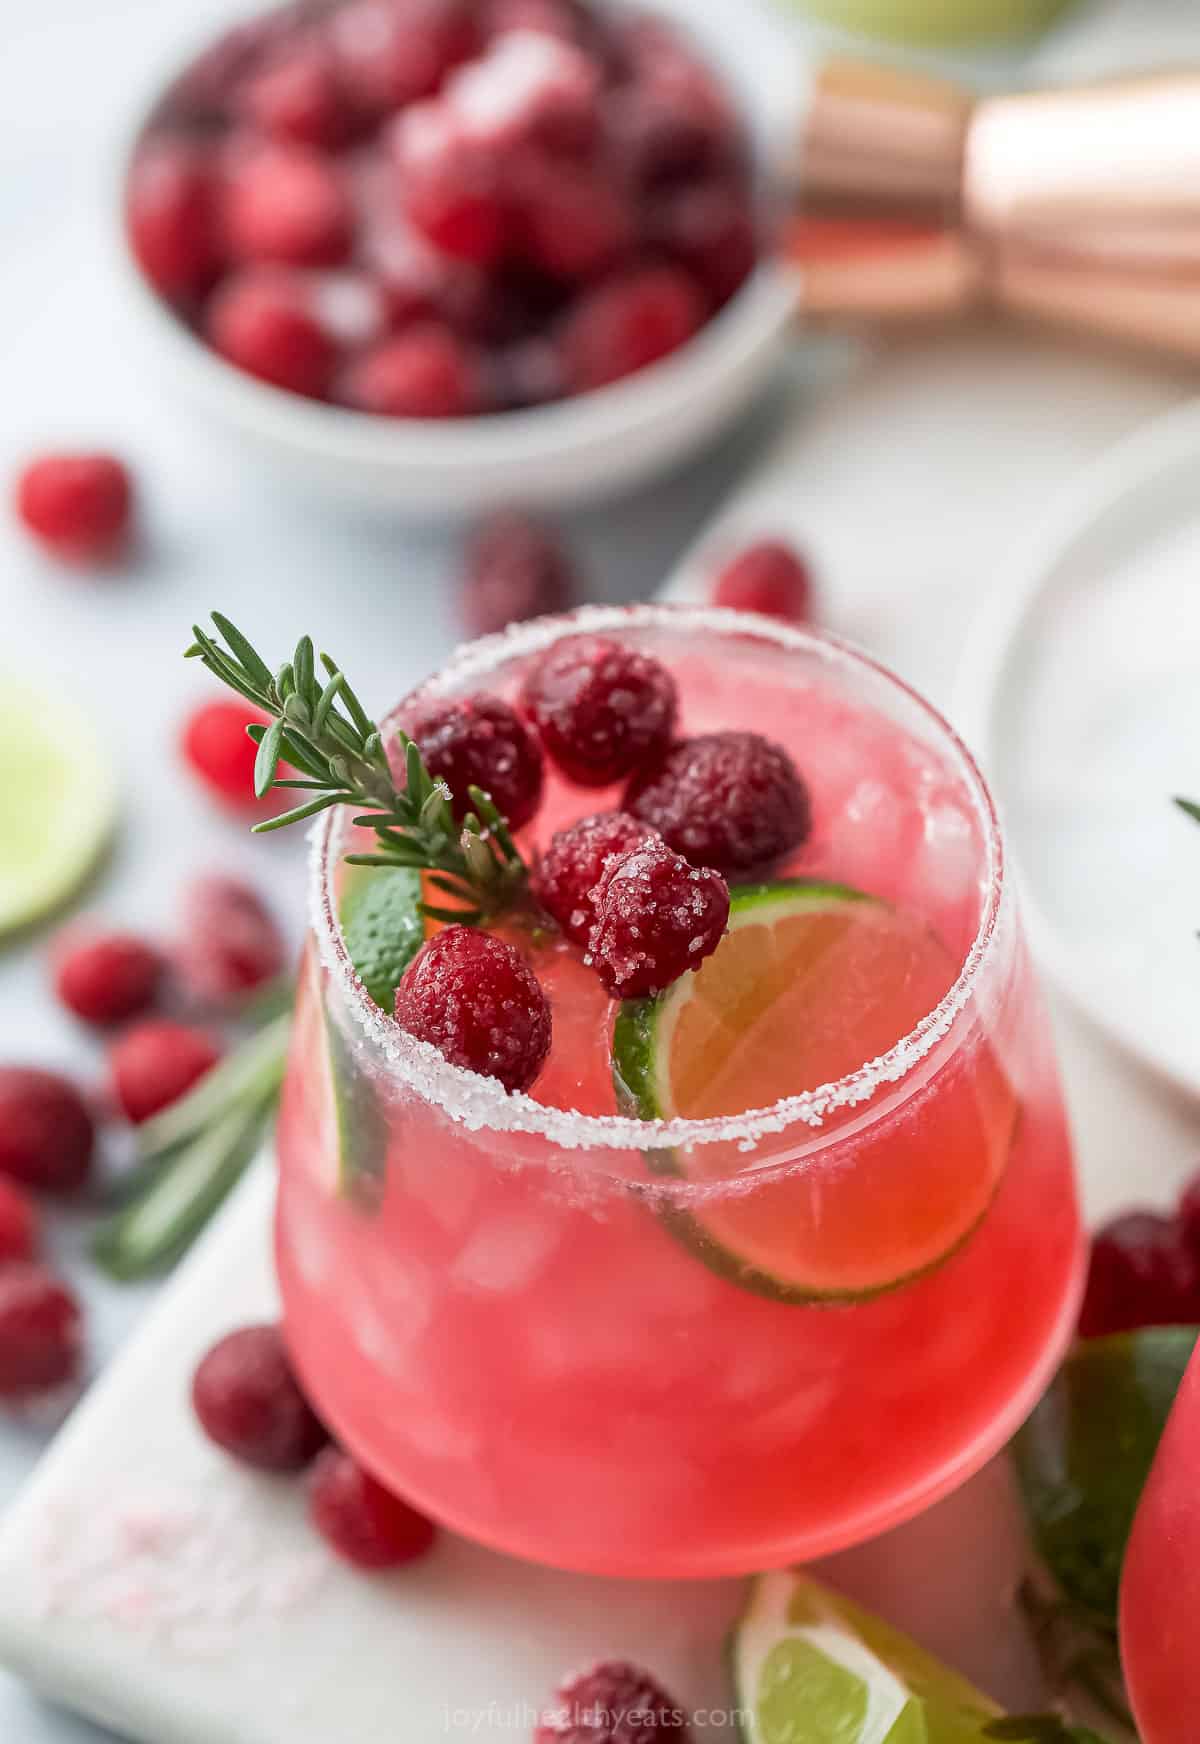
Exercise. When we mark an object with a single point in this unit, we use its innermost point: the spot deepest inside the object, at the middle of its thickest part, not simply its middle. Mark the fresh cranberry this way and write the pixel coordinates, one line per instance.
(249, 1402)
(46, 1131)
(219, 750)
(515, 569)
(18, 1224)
(106, 977)
(766, 577)
(734, 801)
(472, 996)
(424, 372)
(673, 123)
(231, 945)
(297, 97)
(600, 708)
(77, 505)
(613, 1703)
(566, 876)
(575, 221)
(1188, 1214)
(286, 205)
(40, 1331)
(367, 1525)
(393, 52)
(171, 217)
(630, 322)
(656, 917)
(479, 741)
(709, 229)
(529, 90)
(450, 185)
(265, 323)
(153, 1063)
(1142, 1273)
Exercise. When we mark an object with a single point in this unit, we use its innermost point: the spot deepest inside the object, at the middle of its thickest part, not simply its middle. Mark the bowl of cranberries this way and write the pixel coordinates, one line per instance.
(438, 253)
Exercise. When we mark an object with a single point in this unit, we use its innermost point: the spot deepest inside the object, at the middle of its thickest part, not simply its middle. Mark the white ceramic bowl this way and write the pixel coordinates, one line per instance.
(569, 452)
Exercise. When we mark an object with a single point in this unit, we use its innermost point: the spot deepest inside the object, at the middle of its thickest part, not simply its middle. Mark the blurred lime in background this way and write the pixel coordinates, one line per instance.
(939, 20)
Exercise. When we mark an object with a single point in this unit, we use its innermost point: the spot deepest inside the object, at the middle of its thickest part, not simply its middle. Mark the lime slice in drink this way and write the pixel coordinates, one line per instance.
(1084, 1456)
(382, 926)
(811, 1667)
(59, 802)
(811, 981)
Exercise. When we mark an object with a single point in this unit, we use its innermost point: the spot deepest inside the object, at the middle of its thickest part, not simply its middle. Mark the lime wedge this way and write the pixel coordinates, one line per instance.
(811, 981)
(336, 1099)
(59, 802)
(1084, 1456)
(382, 926)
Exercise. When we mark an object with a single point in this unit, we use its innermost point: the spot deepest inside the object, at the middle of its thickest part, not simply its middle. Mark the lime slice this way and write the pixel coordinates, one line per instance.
(810, 981)
(382, 926)
(811, 1667)
(337, 1099)
(59, 802)
(1084, 1455)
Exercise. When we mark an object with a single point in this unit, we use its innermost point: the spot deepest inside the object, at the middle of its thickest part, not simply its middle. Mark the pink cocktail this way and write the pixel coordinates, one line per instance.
(1160, 1585)
(793, 1314)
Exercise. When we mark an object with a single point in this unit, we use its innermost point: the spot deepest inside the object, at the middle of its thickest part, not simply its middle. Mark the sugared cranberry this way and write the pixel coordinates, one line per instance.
(424, 372)
(561, 20)
(286, 205)
(77, 505)
(601, 708)
(18, 1224)
(450, 185)
(249, 1402)
(1142, 1273)
(766, 577)
(515, 569)
(217, 747)
(351, 306)
(630, 322)
(46, 1131)
(40, 1331)
(392, 52)
(297, 97)
(153, 1063)
(613, 1703)
(656, 917)
(709, 229)
(106, 977)
(366, 1524)
(530, 89)
(575, 222)
(231, 944)
(265, 323)
(566, 876)
(673, 123)
(472, 996)
(171, 217)
(730, 800)
(479, 741)
(420, 283)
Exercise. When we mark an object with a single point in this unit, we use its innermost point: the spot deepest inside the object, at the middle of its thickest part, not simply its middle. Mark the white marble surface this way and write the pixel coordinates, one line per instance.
(908, 485)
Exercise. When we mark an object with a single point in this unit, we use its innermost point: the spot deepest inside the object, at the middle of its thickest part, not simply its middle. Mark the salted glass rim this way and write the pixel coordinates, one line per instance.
(481, 1103)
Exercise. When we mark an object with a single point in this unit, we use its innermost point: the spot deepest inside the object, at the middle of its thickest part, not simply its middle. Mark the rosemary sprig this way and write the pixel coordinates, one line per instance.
(322, 730)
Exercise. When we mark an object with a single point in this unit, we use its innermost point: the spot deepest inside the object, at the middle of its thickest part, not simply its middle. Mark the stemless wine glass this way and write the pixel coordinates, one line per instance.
(703, 1345)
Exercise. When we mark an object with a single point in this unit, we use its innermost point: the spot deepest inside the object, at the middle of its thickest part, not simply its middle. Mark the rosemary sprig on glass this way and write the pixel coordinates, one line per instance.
(322, 730)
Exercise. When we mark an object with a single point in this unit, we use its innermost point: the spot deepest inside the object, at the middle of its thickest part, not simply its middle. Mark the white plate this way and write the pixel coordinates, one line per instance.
(1081, 694)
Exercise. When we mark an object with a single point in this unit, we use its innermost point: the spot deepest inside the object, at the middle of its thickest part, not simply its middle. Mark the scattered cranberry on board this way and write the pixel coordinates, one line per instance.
(248, 1401)
(218, 750)
(364, 1523)
(767, 577)
(77, 505)
(41, 1328)
(515, 568)
(18, 1223)
(105, 977)
(613, 1703)
(1145, 1270)
(231, 946)
(152, 1064)
(47, 1133)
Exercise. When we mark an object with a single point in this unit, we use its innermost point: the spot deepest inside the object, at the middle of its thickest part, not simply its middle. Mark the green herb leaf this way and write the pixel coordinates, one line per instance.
(267, 760)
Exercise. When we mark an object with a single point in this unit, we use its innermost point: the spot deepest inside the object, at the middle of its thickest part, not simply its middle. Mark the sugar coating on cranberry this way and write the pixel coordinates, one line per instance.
(297, 98)
(171, 217)
(231, 945)
(472, 996)
(479, 741)
(575, 221)
(567, 873)
(450, 184)
(41, 1328)
(629, 322)
(657, 916)
(78, 505)
(155, 1062)
(286, 205)
(106, 977)
(18, 1224)
(612, 1703)
(46, 1130)
(266, 323)
(516, 568)
(601, 708)
(530, 89)
(247, 1399)
(425, 372)
(392, 52)
(219, 751)
(732, 800)
(767, 577)
(364, 1523)
(1142, 1273)
(709, 229)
